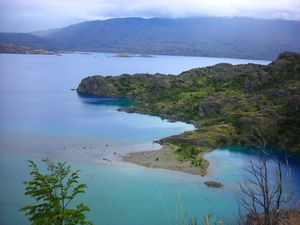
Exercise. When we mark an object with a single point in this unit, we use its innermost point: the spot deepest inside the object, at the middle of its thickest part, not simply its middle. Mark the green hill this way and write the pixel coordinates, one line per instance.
(224, 102)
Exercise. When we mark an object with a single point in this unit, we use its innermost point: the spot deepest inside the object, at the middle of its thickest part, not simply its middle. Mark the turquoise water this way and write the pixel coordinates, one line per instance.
(122, 194)
(125, 195)
(41, 117)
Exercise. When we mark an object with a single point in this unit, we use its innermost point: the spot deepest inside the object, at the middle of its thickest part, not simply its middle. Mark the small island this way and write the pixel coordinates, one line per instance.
(123, 55)
(128, 55)
(213, 184)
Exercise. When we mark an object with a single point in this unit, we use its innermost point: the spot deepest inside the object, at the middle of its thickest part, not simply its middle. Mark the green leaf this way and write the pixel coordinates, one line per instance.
(53, 192)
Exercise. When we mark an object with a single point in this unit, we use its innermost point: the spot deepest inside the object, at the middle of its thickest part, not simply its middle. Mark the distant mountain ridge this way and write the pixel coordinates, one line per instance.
(42, 33)
(215, 36)
(24, 39)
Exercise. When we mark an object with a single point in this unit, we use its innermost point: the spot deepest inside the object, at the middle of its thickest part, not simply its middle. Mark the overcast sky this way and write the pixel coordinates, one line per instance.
(32, 15)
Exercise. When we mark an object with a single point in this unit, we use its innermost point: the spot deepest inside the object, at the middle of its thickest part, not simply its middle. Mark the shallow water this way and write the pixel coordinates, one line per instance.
(41, 117)
(125, 194)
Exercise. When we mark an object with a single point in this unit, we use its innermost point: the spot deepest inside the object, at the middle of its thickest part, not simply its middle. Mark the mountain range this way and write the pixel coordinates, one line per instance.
(205, 36)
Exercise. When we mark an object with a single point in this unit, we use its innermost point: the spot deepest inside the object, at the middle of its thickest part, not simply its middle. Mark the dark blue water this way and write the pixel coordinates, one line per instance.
(41, 117)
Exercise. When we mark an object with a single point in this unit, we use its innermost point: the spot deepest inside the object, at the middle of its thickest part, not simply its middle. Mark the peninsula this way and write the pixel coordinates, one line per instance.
(224, 102)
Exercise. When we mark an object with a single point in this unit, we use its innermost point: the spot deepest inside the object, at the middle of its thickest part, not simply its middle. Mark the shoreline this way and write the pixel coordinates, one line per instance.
(165, 158)
(69, 147)
(94, 150)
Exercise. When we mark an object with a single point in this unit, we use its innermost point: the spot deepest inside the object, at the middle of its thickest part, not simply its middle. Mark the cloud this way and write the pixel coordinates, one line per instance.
(18, 15)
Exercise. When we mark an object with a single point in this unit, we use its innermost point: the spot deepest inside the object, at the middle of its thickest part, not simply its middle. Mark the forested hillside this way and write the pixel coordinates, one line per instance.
(216, 37)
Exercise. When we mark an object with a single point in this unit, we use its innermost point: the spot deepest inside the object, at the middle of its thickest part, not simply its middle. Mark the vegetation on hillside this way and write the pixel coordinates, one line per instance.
(24, 40)
(16, 49)
(206, 36)
(223, 101)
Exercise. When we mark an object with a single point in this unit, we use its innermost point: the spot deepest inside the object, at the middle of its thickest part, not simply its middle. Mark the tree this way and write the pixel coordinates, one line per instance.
(262, 193)
(53, 192)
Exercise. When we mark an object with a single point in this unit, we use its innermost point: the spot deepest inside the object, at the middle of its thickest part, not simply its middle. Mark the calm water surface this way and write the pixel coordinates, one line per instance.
(41, 117)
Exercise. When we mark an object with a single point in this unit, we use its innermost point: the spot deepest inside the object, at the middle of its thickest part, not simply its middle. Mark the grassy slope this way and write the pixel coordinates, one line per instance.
(225, 102)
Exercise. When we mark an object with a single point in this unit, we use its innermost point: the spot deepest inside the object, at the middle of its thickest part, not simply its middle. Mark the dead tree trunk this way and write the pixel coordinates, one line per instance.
(261, 195)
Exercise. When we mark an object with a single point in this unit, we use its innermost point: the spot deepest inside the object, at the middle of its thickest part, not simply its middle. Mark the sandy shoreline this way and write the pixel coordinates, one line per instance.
(165, 158)
(69, 148)
(95, 150)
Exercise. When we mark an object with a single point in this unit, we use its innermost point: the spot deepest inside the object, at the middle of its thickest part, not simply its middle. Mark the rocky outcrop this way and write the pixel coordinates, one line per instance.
(96, 85)
(124, 85)
(208, 106)
(279, 92)
(213, 184)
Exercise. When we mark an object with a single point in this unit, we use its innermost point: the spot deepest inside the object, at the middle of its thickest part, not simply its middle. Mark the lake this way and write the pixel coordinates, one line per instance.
(41, 117)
